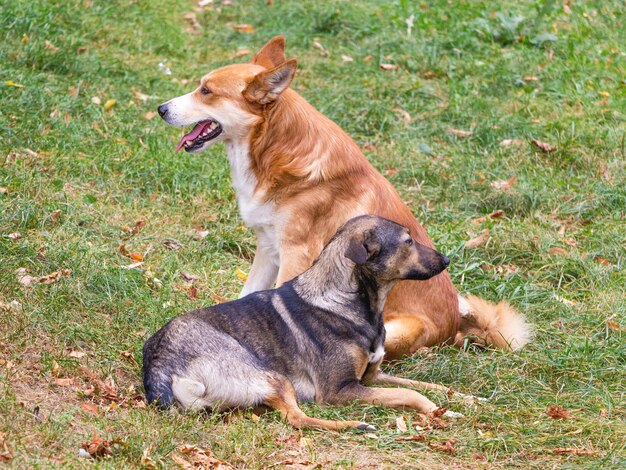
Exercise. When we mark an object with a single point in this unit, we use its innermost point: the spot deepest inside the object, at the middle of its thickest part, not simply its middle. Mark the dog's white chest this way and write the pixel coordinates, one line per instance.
(256, 213)
(377, 355)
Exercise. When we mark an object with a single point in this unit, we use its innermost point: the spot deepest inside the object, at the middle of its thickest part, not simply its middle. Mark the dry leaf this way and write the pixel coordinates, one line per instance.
(192, 292)
(193, 26)
(497, 215)
(406, 117)
(136, 228)
(613, 325)
(447, 447)
(504, 185)
(241, 53)
(543, 146)
(401, 424)
(511, 142)
(109, 104)
(172, 245)
(244, 28)
(573, 451)
(531, 78)
(317, 44)
(199, 458)
(602, 260)
(3, 190)
(133, 265)
(96, 100)
(90, 408)
(97, 447)
(346, 58)
(146, 460)
(459, 132)
(14, 235)
(55, 216)
(558, 251)
(388, 66)
(199, 234)
(149, 115)
(188, 277)
(415, 438)
(76, 354)
(558, 412)
(51, 47)
(64, 382)
(219, 299)
(241, 275)
(480, 240)
(24, 278)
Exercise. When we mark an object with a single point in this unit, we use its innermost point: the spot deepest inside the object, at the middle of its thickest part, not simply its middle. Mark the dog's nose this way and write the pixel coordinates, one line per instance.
(445, 260)
(162, 110)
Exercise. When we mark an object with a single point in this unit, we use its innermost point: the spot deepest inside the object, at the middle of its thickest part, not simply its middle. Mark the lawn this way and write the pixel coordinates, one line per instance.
(502, 120)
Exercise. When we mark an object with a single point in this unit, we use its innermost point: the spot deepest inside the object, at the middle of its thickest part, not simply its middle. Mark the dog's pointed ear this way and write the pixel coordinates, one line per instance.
(272, 54)
(267, 86)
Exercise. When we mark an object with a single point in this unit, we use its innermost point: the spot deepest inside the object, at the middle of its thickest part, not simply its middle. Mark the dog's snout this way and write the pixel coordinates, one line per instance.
(445, 260)
(162, 110)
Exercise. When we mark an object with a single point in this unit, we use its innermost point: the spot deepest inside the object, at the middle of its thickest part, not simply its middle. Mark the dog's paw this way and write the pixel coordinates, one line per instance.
(366, 427)
(453, 414)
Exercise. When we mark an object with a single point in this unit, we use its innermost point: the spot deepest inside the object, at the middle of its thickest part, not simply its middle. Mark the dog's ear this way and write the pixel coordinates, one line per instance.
(360, 249)
(266, 86)
(272, 54)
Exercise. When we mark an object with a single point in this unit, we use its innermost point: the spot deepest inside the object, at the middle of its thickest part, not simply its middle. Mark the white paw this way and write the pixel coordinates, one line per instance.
(453, 414)
(366, 427)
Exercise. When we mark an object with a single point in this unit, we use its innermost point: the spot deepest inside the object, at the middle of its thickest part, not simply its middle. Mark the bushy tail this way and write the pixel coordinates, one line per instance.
(492, 324)
(156, 381)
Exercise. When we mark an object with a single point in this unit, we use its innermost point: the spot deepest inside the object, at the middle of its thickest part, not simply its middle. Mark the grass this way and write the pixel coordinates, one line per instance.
(77, 178)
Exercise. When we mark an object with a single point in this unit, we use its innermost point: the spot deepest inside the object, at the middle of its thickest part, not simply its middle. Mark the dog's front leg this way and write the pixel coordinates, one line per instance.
(263, 273)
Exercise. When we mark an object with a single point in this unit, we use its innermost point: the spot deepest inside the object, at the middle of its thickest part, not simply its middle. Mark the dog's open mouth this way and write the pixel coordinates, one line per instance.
(201, 133)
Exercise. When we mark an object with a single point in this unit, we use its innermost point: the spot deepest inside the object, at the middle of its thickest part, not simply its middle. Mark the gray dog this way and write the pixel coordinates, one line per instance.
(316, 338)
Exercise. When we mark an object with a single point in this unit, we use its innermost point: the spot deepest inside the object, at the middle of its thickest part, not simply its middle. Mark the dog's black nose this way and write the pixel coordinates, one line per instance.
(445, 260)
(162, 110)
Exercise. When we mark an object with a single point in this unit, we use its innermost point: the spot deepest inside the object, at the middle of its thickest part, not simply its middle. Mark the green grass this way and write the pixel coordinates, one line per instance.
(467, 65)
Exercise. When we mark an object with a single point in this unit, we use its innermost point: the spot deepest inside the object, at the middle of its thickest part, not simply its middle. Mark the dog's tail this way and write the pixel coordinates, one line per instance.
(485, 323)
(156, 382)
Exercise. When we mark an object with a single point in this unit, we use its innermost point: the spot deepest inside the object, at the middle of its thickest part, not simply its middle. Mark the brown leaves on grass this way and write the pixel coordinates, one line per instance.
(192, 25)
(28, 281)
(557, 251)
(458, 132)
(388, 67)
(543, 146)
(196, 457)
(613, 325)
(136, 228)
(5, 453)
(99, 447)
(318, 45)
(448, 446)
(480, 240)
(413, 438)
(511, 142)
(136, 257)
(504, 185)
(243, 28)
(573, 451)
(558, 412)
(406, 117)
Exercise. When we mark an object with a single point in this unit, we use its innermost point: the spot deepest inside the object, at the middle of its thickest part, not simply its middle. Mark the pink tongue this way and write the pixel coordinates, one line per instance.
(193, 134)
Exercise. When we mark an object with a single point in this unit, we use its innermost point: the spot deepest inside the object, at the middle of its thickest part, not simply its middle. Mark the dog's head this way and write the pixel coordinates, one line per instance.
(386, 251)
(229, 101)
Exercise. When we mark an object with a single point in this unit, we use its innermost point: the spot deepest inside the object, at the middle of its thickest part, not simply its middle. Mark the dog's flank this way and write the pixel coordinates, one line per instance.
(298, 176)
(316, 338)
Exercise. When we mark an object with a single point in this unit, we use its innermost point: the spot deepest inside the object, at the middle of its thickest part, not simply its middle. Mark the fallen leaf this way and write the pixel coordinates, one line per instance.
(543, 146)
(192, 292)
(558, 251)
(128, 355)
(601, 260)
(530, 78)
(497, 215)
(150, 115)
(96, 100)
(447, 446)
(14, 235)
(172, 245)
(219, 299)
(244, 28)
(64, 382)
(133, 265)
(76, 354)
(109, 104)
(146, 460)
(346, 58)
(136, 228)
(573, 451)
(51, 47)
(55, 216)
(241, 53)
(90, 408)
(415, 438)
(504, 185)
(188, 277)
(199, 234)
(480, 240)
(570, 241)
(3, 191)
(199, 458)
(388, 66)
(98, 447)
(401, 424)
(24, 278)
(613, 325)
(558, 412)
(13, 84)
(406, 117)
(241, 275)
(194, 26)
(317, 44)
(459, 132)
(479, 220)
(511, 142)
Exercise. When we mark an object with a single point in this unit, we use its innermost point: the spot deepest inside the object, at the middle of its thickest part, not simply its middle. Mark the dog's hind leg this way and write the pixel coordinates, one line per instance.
(404, 336)
(285, 401)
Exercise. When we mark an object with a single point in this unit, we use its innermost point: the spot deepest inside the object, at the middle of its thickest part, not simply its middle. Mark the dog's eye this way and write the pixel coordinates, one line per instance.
(205, 91)
(409, 241)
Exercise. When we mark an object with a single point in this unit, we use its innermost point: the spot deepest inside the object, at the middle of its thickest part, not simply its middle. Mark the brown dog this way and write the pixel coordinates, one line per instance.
(298, 177)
